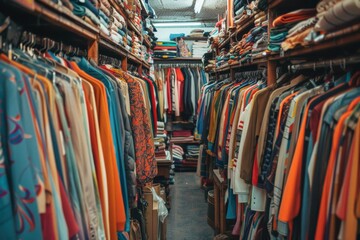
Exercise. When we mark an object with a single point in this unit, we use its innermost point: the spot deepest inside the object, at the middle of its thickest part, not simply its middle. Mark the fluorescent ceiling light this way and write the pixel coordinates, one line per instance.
(198, 5)
(177, 24)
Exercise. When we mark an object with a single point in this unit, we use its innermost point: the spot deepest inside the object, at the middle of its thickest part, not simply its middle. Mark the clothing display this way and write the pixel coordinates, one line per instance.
(119, 116)
(199, 48)
(180, 90)
(165, 49)
(251, 46)
(85, 112)
(285, 148)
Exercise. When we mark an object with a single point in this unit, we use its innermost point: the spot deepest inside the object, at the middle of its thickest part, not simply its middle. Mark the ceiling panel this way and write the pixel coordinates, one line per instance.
(183, 10)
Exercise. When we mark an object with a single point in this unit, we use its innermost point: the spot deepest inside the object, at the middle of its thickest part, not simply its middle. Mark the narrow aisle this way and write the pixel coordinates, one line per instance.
(187, 219)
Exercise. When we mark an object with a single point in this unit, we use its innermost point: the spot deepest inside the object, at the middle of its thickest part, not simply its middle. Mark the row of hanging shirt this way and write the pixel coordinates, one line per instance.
(290, 150)
(75, 138)
(181, 89)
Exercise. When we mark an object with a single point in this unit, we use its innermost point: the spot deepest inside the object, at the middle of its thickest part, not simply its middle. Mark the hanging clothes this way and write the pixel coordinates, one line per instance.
(287, 151)
(69, 169)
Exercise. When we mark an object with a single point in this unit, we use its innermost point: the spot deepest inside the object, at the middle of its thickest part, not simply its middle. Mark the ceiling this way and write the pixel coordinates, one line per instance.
(183, 10)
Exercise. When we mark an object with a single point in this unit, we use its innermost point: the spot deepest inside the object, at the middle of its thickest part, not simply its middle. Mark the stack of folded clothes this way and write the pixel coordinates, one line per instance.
(160, 131)
(192, 155)
(128, 41)
(297, 34)
(177, 154)
(223, 58)
(248, 41)
(182, 135)
(260, 46)
(87, 11)
(260, 19)
(331, 16)
(143, 53)
(165, 49)
(199, 48)
(161, 154)
(136, 45)
(197, 33)
(284, 23)
(117, 27)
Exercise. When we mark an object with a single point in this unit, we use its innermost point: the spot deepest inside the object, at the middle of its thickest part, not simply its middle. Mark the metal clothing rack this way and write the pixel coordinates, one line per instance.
(109, 60)
(30, 40)
(341, 62)
(256, 73)
(177, 65)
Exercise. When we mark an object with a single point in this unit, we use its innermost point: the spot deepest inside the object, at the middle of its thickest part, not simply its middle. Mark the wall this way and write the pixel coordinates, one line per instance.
(163, 33)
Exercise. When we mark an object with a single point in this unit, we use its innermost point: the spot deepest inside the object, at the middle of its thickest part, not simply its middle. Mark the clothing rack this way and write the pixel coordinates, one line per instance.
(256, 73)
(341, 62)
(177, 65)
(31, 40)
(109, 60)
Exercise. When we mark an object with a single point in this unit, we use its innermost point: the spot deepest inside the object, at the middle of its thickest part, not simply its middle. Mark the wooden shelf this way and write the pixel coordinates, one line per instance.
(275, 3)
(146, 65)
(134, 59)
(255, 62)
(147, 42)
(224, 43)
(144, 12)
(223, 69)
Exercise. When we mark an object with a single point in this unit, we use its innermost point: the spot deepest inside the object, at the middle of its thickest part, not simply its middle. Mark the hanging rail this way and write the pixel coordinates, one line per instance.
(109, 60)
(30, 40)
(342, 62)
(177, 65)
(255, 73)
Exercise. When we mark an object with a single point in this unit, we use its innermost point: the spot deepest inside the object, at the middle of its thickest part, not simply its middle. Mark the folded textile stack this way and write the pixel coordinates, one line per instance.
(161, 154)
(331, 15)
(192, 152)
(181, 136)
(223, 58)
(165, 49)
(197, 33)
(252, 45)
(181, 133)
(199, 49)
(243, 10)
(160, 131)
(136, 45)
(145, 54)
(88, 12)
(284, 23)
(128, 42)
(177, 154)
(248, 41)
(192, 155)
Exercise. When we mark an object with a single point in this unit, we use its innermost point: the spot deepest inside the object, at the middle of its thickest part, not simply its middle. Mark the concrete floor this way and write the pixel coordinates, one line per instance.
(187, 219)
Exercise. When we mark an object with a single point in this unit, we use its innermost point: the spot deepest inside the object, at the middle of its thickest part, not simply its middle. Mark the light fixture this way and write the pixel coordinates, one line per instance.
(177, 24)
(198, 5)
